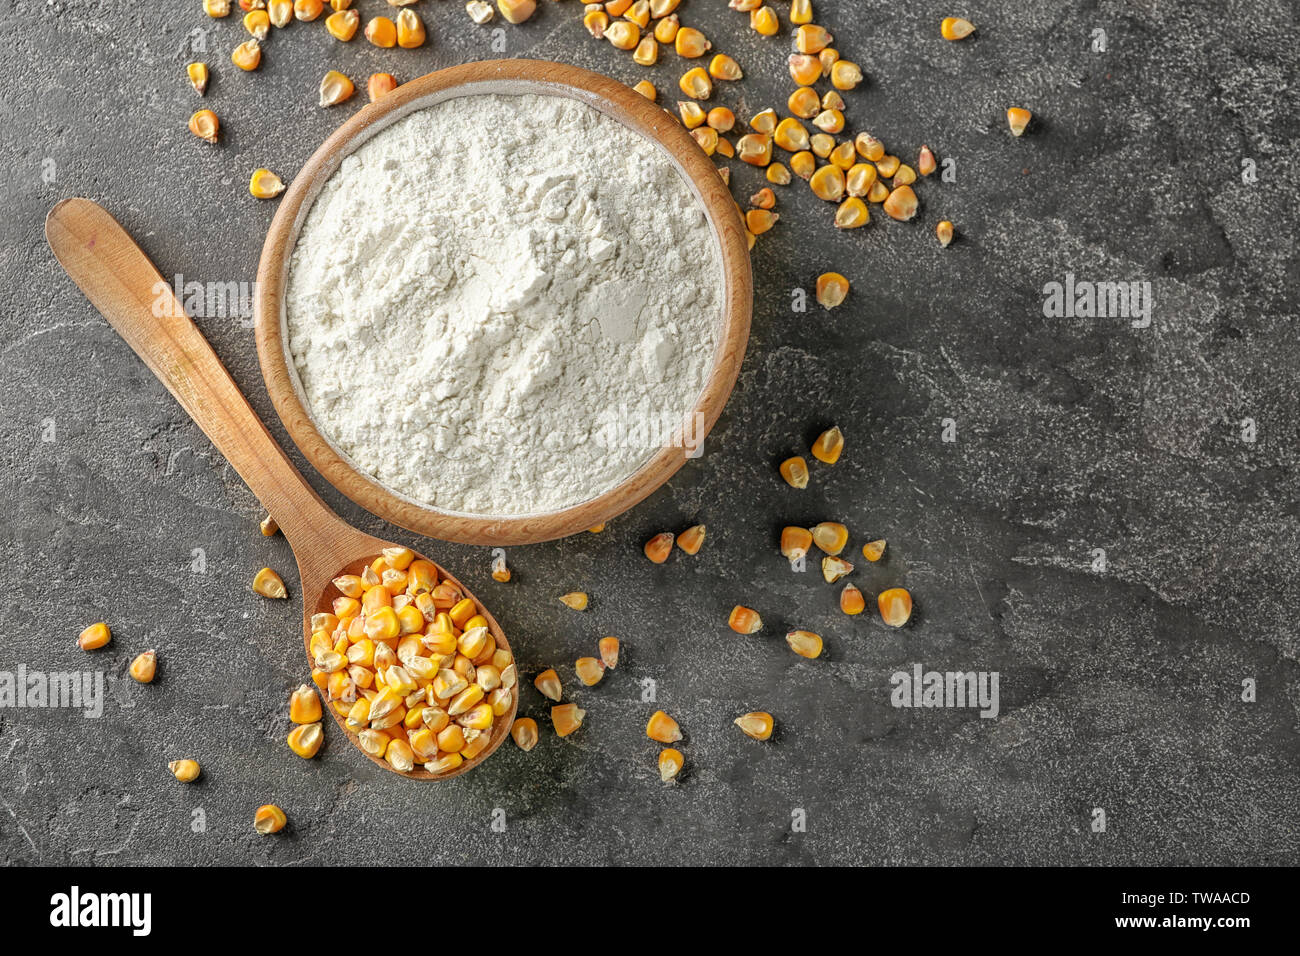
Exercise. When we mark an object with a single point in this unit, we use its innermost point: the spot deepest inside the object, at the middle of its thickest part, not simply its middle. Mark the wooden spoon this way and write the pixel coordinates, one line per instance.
(120, 281)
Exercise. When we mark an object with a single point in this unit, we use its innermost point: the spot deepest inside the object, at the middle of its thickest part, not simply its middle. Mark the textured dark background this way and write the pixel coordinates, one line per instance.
(1120, 688)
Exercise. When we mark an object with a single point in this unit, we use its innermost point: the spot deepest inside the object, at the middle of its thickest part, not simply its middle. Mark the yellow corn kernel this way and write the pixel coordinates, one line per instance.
(691, 43)
(791, 135)
(324, 621)
(803, 164)
(198, 74)
(872, 550)
(852, 214)
(696, 83)
(501, 658)
(743, 620)
(335, 88)
(878, 192)
(810, 38)
(596, 21)
(831, 100)
(943, 230)
(804, 643)
(566, 718)
(754, 149)
(205, 125)
(340, 686)
(424, 743)
(462, 611)
(590, 670)
(895, 606)
(186, 771)
(724, 173)
(269, 584)
(488, 677)
(1018, 119)
(384, 657)
(723, 67)
(350, 586)
(304, 705)
(400, 756)
(319, 678)
(925, 161)
(445, 595)
(448, 684)
(478, 717)
(794, 471)
(764, 121)
(843, 156)
(692, 539)
(955, 28)
(410, 620)
(823, 144)
(804, 102)
(829, 445)
(859, 179)
(905, 175)
(435, 718)
(834, 568)
(828, 183)
(373, 742)
(247, 55)
(851, 600)
(362, 653)
(575, 599)
(258, 23)
(392, 581)
(399, 680)
(145, 666)
(659, 547)
(500, 700)
(665, 30)
(887, 166)
(451, 738)
(524, 733)
(358, 716)
(410, 30)
(661, 8)
(379, 85)
(305, 740)
(476, 741)
(609, 648)
(832, 289)
(413, 717)
(721, 119)
(639, 13)
(646, 89)
(384, 704)
(759, 221)
(778, 174)
(623, 34)
(383, 624)
(647, 51)
(795, 542)
(869, 147)
(764, 21)
(264, 184)
(342, 24)
(216, 8)
(517, 11)
(466, 699)
(548, 682)
(444, 764)
(692, 113)
(801, 11)
(828, 58)
(94, 637)
(269, 819)
(845, 75)
(804, 70)
(758, 724)
(901, 203)
(308, 10)
(830, 121)
(320, 643)
(670, 763)
(663, 728)
(280, 12)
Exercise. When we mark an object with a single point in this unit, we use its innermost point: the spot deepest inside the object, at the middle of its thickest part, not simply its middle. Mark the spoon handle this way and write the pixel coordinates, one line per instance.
(120, 281)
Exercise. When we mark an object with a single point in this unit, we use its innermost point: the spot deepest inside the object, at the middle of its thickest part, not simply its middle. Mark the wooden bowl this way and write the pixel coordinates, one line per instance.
(511, 77)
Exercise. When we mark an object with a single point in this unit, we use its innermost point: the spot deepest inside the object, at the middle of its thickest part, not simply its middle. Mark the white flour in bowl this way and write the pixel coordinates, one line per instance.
(504, 305)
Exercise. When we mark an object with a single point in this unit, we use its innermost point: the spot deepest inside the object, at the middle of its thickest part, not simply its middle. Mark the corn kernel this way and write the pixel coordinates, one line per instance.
(845, 75)
(524, 733)
(721, 119)
(257, 23)
(609, 648)
(400, 756)
(832, 289)
(696, 83)
(374, 742)
(758, 724)
(596, 21)
(804, 102)
(811, 38)
(944, 232)
(659, 547)
(801, 11)
(859, 179)
(639, 13)
(396, 559)
(670, 763)
(647, 51)
(451, 738)
(308, 10)
(828, 58)
(692, 539)
(795, 542)
(144, 667)
(264, 184)
(647, 89)
(1018, 119)
(186, 771)
(566, 718)
(280, 12)
(663, 728)
(794, 471)
(216, 8)
(661, 8)
(304, 705)
(791, 135)
(878, 192)
(851, 600)
(830, 536)
(666, 30)
(834, 568)
(955, 28)
(828, 183)
(829, 445)
(335, 87)
(198, 74)
(548, 682)
(623, 35)
(804, 643)
(94, 637)
(305, 740)
(804, 70)
(830, 121)
(869, 147)
(691, 43)
(895, 606)
(447, 762)
(516, 11)
(764, 21)
(342, 24)
(764, 121)
(269, 819)
(205, 125)
(831, 100)
(778, 174)
(754, 149)
(852, 214)
(723, 67)
(410, 30)
(466, 699)
(590, 670)
(823, 144)
(478, 717)
(759, 221)
(901, 203)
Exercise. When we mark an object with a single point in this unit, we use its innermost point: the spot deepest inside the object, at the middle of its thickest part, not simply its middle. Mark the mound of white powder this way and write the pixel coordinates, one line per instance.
(501, 304)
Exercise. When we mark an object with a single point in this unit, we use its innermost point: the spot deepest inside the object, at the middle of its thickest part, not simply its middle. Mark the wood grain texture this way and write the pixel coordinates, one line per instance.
(500, 76)
(120, 281)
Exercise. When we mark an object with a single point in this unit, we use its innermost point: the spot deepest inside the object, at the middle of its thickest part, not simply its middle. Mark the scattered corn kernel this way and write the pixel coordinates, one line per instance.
(754, 149)
(269, 584)
(721, 119)
(851, 600)
(692, 113)
(901, 203)
(691, 43)
(524, 733)
(480, 11)
(590, 670)
(566, 718)
(795, 472)
(723, 67)
(666, 29)
(305, 740)
(834, 568)
(308, 10)
(647, 51)
(852, 214)
(944, 231)
(832, 289)
(828, 183)
(878, 192)
(639, 13)
(804, 70)
(548, 682)
(869, 147)
(670, 763)
(280, 12)
(623, 34)
(895, 606)
(764, 21)
(872, 550)
(410, 30)
(659, 547)
(647, 89)
(955, 28)
(304, 705)
(692, 539)
(904, 176)
(198, 74)
(609, 651)
(803, 165)
(707, 139)
(575, 599)
(663, 728)
(804, 643)
(94, 637)
(264, 184)
(778, 174)
(830, 536)
(845, 75)
(859, 179)
(269, 819)
(517, 11)
(743, 620)
(795, 542)
(758, 724)
(596, 21)
(205, 125)
(186, 771)
(759, 221)
(216, 8)
(925, 162)
(144, 667)
(829, 445)
(1018, 119)
(257, 23)
(335, 88)
(342, 24)
(830, 121)
(696, 83)
(811, 38)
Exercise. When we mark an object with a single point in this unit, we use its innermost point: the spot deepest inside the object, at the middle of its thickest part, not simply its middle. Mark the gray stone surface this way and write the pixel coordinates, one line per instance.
(1120, 688)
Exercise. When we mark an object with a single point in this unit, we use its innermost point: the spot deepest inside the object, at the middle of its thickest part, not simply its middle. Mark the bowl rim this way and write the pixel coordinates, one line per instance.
(614, 99)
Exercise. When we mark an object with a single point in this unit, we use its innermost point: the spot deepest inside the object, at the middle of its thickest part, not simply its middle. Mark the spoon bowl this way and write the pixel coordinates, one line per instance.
(120, 281)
